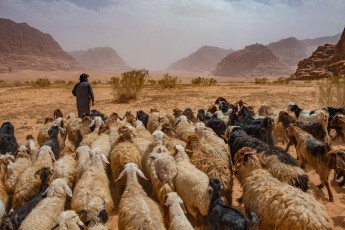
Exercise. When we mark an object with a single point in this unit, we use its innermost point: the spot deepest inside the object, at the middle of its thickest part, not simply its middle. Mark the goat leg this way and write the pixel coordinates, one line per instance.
(330, 194)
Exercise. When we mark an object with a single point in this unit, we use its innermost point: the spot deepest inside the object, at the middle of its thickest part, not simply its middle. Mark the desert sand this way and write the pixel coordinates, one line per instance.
(26, 107)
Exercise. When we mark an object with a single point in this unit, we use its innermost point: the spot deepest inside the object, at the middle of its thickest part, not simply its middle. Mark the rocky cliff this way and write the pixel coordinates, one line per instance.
(24, 47)
(327, 60)
(254, 60)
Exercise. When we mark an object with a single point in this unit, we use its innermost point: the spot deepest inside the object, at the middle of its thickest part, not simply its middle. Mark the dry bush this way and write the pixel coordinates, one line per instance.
(60, 82)
(263, 80)
(204, 81)
(168, 81)
(332, 92)
(281, 80)
(41, 83)
(151, 82)
(129, 85)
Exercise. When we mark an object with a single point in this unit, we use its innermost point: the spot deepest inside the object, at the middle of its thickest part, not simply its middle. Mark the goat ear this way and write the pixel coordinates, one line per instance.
(189, 152)
(68, 190)
(104, 158)
(80, 223)
(141, 174)
(121, 175)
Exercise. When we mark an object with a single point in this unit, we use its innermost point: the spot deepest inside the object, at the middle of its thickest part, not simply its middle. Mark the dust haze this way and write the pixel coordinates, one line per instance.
(152, 34)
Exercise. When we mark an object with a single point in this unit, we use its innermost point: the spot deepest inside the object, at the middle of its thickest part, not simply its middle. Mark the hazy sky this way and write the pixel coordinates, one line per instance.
(153, 33)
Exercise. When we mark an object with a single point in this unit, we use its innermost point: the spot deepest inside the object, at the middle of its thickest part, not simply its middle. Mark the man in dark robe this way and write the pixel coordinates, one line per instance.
(84, 93)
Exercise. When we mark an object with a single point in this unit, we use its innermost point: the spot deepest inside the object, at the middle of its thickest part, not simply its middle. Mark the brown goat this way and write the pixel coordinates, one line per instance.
(313, 152)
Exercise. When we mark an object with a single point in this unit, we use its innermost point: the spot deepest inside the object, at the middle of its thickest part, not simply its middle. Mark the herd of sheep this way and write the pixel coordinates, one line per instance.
(172, 171)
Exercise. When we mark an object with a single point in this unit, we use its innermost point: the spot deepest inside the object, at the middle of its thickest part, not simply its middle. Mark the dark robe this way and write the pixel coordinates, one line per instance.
(83, 92)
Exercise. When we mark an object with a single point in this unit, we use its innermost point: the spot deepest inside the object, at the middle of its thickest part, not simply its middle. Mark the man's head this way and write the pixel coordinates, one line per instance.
(83, 77)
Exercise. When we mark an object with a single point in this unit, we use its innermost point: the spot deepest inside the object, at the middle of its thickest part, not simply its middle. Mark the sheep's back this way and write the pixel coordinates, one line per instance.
(281, 206)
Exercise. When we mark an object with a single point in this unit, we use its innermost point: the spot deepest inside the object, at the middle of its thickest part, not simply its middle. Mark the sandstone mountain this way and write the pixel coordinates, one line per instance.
(24, 47)
(253, 60)
(100, 58)
(291, 50)
(204, 59)
(328, 60)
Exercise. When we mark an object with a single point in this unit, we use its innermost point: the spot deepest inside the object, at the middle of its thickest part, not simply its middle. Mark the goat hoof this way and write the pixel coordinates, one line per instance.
(240, 200)
(330, 199)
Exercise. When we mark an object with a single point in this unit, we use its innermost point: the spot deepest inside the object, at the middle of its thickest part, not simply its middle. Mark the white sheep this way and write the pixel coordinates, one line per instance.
(68, 220)
(66, 166)
(48, 209)
(183, 128)
(92, 183)
(161, 167)
(177, 211)
(136, 209)
(91, 137)
(15, 169)
(32, 146)
(191, 185)
(102, 141)
(212, 164)
(27, 186)
(277, 205)
(123, 153)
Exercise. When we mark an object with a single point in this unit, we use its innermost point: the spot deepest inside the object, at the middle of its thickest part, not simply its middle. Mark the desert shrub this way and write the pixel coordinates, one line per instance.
(331, 92)
(96, 82)
(41, 83)
(70, 83)
(17, 83)
(168, 81)
(281, 80)
(204, 81)
(151, 82)
(129, 85)
(263, 80)
(59, 82)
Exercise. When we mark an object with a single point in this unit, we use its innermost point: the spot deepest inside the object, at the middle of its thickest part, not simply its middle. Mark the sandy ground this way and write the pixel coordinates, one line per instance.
(26, 108)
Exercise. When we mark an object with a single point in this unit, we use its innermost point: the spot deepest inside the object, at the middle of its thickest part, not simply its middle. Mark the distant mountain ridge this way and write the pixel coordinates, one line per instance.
(101, 58)
(253, 60)
(204, 59)
(24, 47)
(291, 50)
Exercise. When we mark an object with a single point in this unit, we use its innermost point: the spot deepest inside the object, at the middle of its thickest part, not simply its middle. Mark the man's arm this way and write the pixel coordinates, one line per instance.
(91, 95)
(74, 91)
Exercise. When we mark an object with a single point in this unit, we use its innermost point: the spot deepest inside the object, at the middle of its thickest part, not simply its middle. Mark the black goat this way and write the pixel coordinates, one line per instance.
(259, 132)
(221, 216)
(8, 142)
(238, 138)
(217, 125)
(95, 113)
(15, 218)
(143, 117)
(53, 141)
